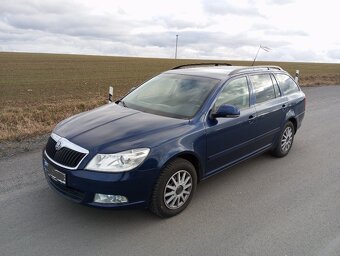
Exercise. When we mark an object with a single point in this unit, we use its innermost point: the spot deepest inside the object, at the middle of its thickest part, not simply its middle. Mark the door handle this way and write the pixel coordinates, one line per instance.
(284, 106)
(251, 119)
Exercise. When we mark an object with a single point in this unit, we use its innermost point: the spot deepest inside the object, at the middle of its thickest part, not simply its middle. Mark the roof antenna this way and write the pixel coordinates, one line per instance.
(265, 48)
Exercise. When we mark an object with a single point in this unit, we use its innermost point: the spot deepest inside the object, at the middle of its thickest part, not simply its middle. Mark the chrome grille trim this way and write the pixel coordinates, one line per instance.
(70, 145)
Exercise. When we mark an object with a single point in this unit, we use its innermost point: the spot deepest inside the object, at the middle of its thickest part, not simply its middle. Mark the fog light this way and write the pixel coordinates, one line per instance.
(110, 199)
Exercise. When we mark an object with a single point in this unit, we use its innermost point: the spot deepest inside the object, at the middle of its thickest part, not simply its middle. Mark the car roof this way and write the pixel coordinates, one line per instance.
(221, 72)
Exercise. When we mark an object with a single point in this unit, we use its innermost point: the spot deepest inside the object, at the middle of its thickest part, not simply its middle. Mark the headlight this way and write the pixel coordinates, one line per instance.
(119, 162)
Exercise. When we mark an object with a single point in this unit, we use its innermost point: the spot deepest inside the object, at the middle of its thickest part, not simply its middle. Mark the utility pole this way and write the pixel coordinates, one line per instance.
(176, 46)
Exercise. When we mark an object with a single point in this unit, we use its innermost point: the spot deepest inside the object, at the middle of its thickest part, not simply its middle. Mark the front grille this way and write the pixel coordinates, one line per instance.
(64, 156)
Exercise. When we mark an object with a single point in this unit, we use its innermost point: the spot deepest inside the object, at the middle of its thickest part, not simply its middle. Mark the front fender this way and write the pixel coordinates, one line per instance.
(192, 145)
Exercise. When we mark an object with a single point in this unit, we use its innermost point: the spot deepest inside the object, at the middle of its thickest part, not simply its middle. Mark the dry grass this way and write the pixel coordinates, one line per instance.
(39, 90)
(21, 122)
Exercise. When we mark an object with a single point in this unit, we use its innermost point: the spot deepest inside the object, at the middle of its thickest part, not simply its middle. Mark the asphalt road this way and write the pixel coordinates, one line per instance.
(264, 206)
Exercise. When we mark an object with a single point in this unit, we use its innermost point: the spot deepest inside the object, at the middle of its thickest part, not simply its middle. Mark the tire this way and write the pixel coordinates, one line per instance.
(285, 141)
(174, 189)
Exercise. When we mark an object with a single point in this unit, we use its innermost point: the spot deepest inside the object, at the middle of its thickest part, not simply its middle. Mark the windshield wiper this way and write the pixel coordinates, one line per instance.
(123, 103)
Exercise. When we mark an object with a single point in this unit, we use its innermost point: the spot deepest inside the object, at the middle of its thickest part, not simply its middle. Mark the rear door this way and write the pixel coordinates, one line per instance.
(270, 108)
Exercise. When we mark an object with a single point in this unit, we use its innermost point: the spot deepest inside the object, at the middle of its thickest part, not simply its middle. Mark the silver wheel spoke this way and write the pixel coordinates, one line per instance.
(183, 198)
(170, 199)
(169, 193)
(183, 178)
(174, 202)
(287, 138)
(171, 187)
(185, 192)
(180, 200)
(186, 181)
(187, 186)
(174, 181)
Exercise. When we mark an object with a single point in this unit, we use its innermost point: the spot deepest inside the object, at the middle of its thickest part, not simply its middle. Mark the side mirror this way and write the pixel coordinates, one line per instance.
(226, 111)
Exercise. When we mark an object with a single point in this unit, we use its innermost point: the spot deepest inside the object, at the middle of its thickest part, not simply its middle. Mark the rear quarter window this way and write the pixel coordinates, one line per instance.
(286, 83)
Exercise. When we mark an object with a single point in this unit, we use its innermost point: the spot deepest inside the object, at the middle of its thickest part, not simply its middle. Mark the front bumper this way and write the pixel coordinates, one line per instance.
(82, 185)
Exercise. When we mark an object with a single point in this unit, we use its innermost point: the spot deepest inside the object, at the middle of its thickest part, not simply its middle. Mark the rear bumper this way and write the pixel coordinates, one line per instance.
(82, 185)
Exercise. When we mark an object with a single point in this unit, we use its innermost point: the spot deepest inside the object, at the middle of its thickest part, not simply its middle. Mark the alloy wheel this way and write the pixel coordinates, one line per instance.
(287, 139)
(177, 189)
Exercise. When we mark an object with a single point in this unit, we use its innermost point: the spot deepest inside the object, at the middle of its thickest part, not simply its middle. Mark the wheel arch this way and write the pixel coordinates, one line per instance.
(294, 122)
(291, 117)
(192, 158)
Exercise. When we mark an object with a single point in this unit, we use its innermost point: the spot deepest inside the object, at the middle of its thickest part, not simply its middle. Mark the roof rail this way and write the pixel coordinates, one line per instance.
(202, 64)
(254, 68)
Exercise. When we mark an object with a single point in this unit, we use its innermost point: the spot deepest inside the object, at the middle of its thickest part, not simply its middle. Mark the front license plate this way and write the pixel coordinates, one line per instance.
(54, 174)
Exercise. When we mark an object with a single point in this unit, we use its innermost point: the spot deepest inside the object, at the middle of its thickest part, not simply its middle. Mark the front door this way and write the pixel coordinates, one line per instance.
(230, 139)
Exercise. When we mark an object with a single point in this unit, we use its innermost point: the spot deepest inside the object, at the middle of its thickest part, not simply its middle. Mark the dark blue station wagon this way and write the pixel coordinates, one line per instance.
(151, 148)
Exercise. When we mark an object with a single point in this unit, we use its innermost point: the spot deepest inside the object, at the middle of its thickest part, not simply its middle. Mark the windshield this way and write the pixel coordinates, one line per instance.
(179, 96)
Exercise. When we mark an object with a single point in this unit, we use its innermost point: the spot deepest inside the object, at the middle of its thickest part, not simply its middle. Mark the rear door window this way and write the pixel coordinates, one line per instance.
(263, 87)
(286, 84)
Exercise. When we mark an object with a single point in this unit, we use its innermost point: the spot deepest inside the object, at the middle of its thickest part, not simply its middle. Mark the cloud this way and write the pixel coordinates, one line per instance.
(279, 2)
(270, 30)
(220, 30)
(179, 23)
(209, 40)
(224, 7)
(290, 54)
(334, 54)
(39, 7)
(60, 18)
(287, 32)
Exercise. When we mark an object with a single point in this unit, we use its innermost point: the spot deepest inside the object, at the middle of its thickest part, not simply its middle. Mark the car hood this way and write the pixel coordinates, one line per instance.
(114, 128)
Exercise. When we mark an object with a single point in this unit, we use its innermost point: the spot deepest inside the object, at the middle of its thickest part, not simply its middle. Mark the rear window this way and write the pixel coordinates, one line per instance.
(286, 84)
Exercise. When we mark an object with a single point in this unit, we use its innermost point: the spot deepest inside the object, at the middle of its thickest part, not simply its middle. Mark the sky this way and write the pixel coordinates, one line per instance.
(294, 30)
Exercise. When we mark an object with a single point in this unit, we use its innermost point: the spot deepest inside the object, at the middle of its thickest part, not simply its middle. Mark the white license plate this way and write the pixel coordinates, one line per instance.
(54, 174)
